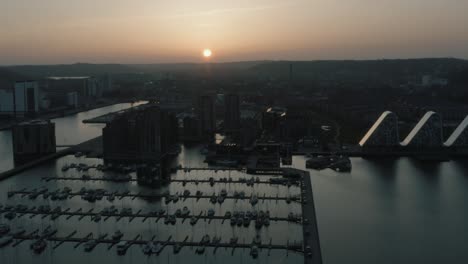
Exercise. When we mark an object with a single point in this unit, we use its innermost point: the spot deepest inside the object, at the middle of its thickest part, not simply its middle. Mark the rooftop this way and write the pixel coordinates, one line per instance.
(418, 128)
(277, 110)
(68, 77)
(374, 127)
(457, 133)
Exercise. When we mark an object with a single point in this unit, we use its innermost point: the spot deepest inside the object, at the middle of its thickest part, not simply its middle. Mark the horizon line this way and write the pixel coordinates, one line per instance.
(234, 61)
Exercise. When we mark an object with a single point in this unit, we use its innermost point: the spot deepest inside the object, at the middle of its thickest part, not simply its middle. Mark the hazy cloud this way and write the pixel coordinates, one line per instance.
(232, 10)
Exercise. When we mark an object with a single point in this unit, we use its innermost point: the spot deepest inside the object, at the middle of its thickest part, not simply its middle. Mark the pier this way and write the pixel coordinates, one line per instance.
(103, 239)
(154, 215)
(312, 250)
(56, 213)
(183, 181)
(258, 171)
(153, 196)
(92, 146)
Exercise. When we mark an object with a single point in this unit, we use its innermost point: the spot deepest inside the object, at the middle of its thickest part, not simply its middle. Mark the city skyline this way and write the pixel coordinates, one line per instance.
(247, 131)
(55, 32)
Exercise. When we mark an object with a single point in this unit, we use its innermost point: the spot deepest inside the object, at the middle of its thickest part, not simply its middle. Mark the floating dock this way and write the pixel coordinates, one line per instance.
(151, 196)
(68, 212)
(312, 250)
(102, 239)
(109, 179)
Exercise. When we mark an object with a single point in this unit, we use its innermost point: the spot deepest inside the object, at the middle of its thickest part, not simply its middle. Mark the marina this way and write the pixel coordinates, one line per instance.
(197, 211)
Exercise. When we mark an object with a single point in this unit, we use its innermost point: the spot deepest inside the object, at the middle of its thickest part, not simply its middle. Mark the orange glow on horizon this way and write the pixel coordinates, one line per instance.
(223, 31)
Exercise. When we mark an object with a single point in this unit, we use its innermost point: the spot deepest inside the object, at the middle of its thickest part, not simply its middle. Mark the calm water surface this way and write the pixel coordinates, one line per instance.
(394, 211)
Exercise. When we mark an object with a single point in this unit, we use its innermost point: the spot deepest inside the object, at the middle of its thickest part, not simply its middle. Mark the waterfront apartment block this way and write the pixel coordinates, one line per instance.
(33, 139)
(144, 135)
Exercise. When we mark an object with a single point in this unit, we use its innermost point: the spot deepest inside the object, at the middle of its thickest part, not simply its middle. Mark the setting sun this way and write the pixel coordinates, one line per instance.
(207, 53)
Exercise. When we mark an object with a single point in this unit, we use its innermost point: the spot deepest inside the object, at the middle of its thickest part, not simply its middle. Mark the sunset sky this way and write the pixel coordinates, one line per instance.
(156, 31)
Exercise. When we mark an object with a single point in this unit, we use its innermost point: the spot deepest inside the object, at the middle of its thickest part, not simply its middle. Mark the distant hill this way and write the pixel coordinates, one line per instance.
(85, 69)
(78, 69)
(225, 71)
(382, 70)
(460, 76)
(178, 67)
(347, 71)
(8, 78)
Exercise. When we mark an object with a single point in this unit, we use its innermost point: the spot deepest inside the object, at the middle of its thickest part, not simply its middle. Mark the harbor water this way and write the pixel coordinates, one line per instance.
(392, 211)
